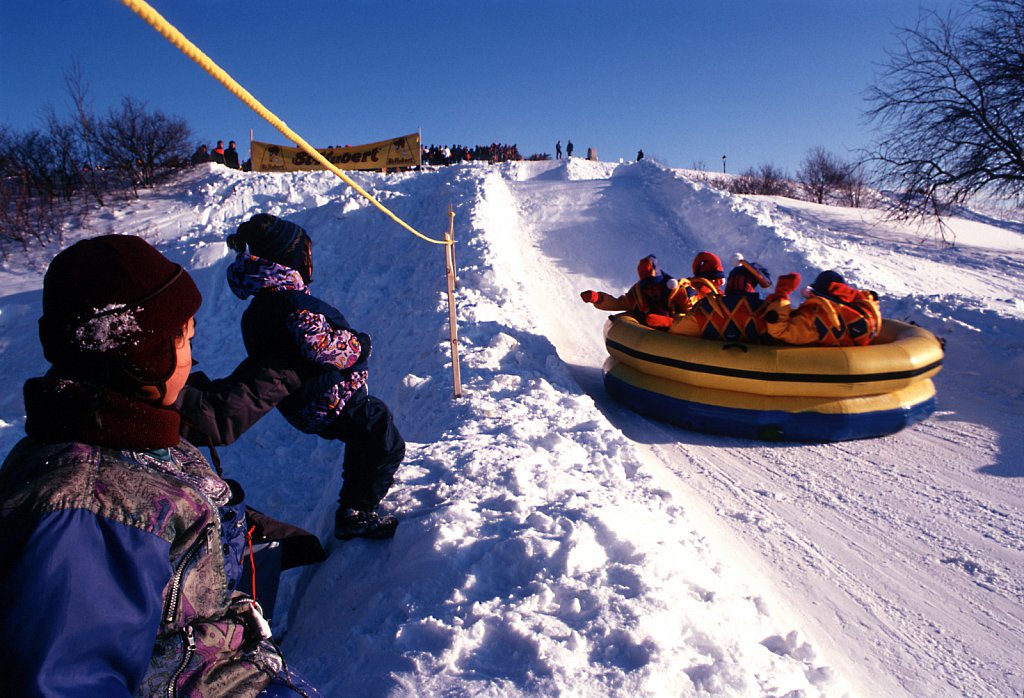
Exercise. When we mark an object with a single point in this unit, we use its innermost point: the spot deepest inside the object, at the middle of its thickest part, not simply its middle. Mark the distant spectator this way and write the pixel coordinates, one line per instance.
(639, 155)
(558, 150)
(201, 155)
(591, 153)
(231, 156)
(218, 153)
(568, 149)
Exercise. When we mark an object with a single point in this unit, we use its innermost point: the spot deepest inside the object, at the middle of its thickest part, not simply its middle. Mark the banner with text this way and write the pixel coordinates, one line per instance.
(397, 152)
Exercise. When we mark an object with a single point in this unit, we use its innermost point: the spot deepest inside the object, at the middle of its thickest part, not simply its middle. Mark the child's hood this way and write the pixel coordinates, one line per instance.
(249, 274)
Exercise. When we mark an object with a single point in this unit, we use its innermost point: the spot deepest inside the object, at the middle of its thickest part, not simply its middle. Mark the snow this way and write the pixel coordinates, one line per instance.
(554, 543)
(107, 328)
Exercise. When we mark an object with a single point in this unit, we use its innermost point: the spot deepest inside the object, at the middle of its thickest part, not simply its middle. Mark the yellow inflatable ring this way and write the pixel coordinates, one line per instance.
(902, 354)
(775, 392)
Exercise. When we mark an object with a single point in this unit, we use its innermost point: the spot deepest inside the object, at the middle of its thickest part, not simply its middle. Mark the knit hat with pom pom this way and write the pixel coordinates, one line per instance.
(746, 276)
(275, 240)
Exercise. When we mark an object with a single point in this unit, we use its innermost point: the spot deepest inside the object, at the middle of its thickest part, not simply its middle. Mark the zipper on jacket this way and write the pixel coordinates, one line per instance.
(190, 648)
(175, 595)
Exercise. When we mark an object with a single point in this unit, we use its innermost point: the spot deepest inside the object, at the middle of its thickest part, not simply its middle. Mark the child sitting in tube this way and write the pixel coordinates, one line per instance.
(656, 293)
(833, 313)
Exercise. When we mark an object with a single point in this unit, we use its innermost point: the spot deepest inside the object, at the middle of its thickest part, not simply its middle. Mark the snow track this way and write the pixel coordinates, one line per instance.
(900, 555)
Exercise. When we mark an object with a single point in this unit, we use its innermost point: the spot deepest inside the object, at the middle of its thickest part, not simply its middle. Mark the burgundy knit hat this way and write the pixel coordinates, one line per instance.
(115, 302)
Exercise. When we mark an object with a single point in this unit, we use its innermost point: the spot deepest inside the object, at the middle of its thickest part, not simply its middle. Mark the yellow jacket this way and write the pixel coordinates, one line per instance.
(844, 316)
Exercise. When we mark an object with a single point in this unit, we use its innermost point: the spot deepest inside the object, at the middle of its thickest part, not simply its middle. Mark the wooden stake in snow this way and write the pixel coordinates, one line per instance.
(449, 257)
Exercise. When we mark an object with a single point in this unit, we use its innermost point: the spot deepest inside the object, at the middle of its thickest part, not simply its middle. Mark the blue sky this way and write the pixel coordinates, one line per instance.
(760, 81)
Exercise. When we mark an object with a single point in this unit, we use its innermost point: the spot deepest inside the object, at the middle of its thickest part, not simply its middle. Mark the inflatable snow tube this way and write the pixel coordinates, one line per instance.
(776, 392)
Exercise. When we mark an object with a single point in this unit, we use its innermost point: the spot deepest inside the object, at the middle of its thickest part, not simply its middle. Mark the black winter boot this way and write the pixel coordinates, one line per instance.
(350, 523)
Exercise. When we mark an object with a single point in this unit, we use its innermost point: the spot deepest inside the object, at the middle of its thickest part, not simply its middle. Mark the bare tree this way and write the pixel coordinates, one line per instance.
(766, 179)
(85, 125)
(29, 191)
(42, 171)
(855, 187)
(142, 146)
(950, 109)
(66, 158)
(823, 176)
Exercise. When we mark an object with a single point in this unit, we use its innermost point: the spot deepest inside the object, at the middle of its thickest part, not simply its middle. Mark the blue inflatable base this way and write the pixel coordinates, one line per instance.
(769, 425)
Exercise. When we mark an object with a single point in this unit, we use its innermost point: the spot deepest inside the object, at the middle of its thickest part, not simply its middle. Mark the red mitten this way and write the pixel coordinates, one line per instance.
(658, 321)
(590, 296)
(786, 284)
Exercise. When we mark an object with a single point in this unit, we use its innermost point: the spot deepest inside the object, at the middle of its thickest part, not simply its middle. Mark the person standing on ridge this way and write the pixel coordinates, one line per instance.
(201, 155)
(231, 156)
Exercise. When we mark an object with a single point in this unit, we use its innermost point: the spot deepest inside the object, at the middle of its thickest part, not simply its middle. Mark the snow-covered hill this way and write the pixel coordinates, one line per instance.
(554, 543)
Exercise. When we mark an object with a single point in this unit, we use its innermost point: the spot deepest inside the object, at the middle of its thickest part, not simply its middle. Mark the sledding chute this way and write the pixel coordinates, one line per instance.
(776, 392)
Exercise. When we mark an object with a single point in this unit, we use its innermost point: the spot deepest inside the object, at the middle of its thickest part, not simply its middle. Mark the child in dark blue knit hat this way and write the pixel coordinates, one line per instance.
(285, 325)
(833, 313)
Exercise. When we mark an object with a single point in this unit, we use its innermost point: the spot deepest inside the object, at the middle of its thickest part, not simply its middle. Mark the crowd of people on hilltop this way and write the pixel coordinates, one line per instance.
(223, 156)
(712, 305)
(432, 155)
(450, 155)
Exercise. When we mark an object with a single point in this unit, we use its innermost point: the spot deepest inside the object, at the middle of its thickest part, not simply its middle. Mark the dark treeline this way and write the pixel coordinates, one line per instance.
(51, 175)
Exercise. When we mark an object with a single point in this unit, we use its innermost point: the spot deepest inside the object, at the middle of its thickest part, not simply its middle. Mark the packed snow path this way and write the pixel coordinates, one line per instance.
(904, 554)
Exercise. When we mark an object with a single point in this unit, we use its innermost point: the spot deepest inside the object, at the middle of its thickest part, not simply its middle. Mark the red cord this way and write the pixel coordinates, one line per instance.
(252, 559)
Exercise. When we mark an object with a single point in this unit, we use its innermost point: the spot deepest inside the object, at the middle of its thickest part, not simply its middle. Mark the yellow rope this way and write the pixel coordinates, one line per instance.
(155, 20)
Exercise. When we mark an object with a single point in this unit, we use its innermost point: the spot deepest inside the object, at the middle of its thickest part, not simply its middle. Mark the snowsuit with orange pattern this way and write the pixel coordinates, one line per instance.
(841, 316)
(733, 317)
